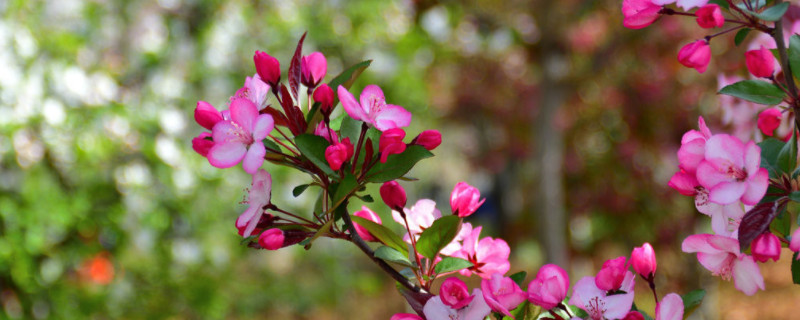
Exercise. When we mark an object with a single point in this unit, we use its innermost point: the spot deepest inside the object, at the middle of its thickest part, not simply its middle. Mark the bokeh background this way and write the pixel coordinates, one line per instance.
(567, 122)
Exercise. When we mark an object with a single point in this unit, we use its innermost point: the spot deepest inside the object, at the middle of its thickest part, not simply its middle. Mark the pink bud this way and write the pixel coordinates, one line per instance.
(268, 68)
(685, 183)
(639, 13)
(794, 244)
(633, 315)
(313, 68)
(324, 95)
(323, 131)
(339, 153)
(405, 316)
(760, 63)
(502, 294)
(643, 260)
(695, 55)
(465, 199)
(366, 213)
(206, 115)
(549, 288)
(393, 195)
(202, 143)
(272, 239)
(454, 293)
(769, 120)
(430, 139)
(766, 246)
(710, 16)
(611, 275)
(391, 142)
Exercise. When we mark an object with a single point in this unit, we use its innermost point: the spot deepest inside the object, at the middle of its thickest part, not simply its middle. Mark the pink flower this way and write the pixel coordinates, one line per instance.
(695, 55)
(429, 139)
(405, 316)
(268, 68)
(254, 90)
(272, 239)
(313, 68)
(685, 4)
(502, 294)
(693, 147)
(202, 143)
(391, 142)
(258, 197)
(598, 304)
(710, 16)
(639, 13)
(610, 277)
(731, 171)
(769, 120)
(368, 214)
(794, 244)
(421, 216)
(393, 195)
(721, 256)
(240, 138)
(206, 115)
(725, 218)
(435, 308)
(633, 315)
(339, 153)
(670, 308)
(373, 109)
(766, 246)
(487, 255)
(454, 293)
(643, 260)
(549, 288)
(323, 131)
(760, 63)
(324, 95)
(465, 199)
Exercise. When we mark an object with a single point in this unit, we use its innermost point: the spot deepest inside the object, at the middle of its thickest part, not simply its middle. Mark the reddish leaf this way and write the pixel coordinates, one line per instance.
(757, 220)
(277, 116)
(368, 151)
(297, 123)
(294, 68)
(416, 300)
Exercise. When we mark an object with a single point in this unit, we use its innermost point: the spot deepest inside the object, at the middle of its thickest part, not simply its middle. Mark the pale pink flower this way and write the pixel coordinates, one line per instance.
(313, 68)
(610, 276)
(639, 13)
(598, 304)
(736, 112)
(502, 294)
(721, 256)
(695, 55)
(725, 218)
(549, 287)
(454, 293)
(465, 199)
(693, 147)
(239, 139)
(643, 260)
(254, 90)
(258, 196)
(766, 246)
(420, 217)
(476, 310)
(670, 308)
(373, 109)
(731, 171)
(487, 255)
(368, 214)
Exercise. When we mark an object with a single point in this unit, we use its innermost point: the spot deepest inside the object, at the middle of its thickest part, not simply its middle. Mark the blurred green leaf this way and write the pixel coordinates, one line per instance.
(392, 255)
(383, 234)
(519, 278)
(691, 301)
(757, 91)
(740, 35)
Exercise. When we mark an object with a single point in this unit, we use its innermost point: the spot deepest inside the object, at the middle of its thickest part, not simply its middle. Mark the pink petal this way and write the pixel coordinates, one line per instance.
(254, 158)
(727, 192)
(477, 310)
(717, 263)
(746, 275)
(371, 98)
(436, 309)
(583, 291)
(317, 64)
(670, 308)
(618, 305)
(701, 123)
(685, 183)
(246, 218)
(350, 105)
(224, 131)
(692, 135)
(691, 154)
(756, 187)
(244, 113)
(392, 116)
(263, 126)
(722, 149)
(708, 176)
(752, 157)
(226, 155)
(689, 4)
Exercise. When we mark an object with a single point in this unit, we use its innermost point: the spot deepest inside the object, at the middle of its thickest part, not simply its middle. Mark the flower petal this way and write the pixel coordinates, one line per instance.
(392, 116)
(244, 113)
(727, 192)
(226, 155)
(350, 105)
(254, 158)
(752, 158)
(746, 275)
(263, 126)
(670, 308)
(727, 150)
(756, 187)
(372, 98)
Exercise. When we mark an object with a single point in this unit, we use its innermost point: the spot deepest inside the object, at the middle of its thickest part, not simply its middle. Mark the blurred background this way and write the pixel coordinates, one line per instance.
(567, 122)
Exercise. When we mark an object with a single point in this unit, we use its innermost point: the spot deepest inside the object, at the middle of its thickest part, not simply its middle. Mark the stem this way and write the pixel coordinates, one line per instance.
(358, 146)
(273, 207)
(286, 137)
(653, 288)
(777, 34)
(414, 246)
(278, 141)
(708, 38)
(565, 308)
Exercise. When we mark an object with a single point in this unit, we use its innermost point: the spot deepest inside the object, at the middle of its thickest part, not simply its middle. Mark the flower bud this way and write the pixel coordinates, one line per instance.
(760, 63)
(695, 55)
(323, 131)
(643, 260)
(429, 139)
(206, 115)
(339, 153)
(393, 195)
(465, 199)
(312, 69)
(324, 95)
(268, 68)
(202, 143)
(502, 293)
(454, 293)
(368, 214)
(633, 315)
(794, 244)
(710, 16)
(766, 246)
(272, 239)
(639, 13)
(405, 316)
(769, 120)
(611, 275)
(391, 142)
(549, 288)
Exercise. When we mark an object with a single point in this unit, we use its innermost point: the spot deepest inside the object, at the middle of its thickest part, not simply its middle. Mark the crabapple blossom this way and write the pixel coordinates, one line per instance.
(794, 244)
(454, 293)
(429, 139)
(710, 16)
(202, 143)
(695, 55)
(465, 199)
(643, 260)
(391, 142)
(476, 310)
(368, 214)
(323, 131)
(405, 316)
(633, 315)
(721, 256)
(598, 303)
(769, 120)
(693, 147)
(766, 246)
(502, 293)
(393, 195)
(760, 63)
(639, 13)
(254, 90)
(373, 108)
(268, 68)
(549, 287)
(239, 139)
(258, 197)
(731, 171)
(725, 219)
(487, 255)
(420, 216)
(670, 308)
(610, 277)
(685, 4)
(206, 115)
(313, 68)
(324, 95)
(271, 239)
(339, 153)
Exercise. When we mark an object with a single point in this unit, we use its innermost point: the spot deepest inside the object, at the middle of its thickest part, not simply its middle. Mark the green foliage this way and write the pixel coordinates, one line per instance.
(771, 149)
(773, 13)
(313, 148)
(450, 264)
(741, 34)
(757, 91)
(519, 279)
(392, 255)
(795, 269)
(438, 236)
(691, 301)
(398, 165)
(386, 236)
(794, 55)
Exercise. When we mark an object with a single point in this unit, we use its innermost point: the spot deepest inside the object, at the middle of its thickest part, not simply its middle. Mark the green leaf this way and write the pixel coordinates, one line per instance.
(794, 55)
(392, 255)
(721, 3)
(773, 13)
(525, 311)
(741, 35)
(269, 144)
(770, 149)
(249, 239)
(366, 198)
(644, 314)
(795, 269)
(322, 230)
(795, 196)
(349, 75)
(756, 5)
(347, 187)
(438, 235)
(519, 278)
(757, 91)
(787, 157)
(691, 301)
(383, 234)
(298, 190)
(350, 128)
(782, 223)
(398, 165)
(313, 147)
(450, 264)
